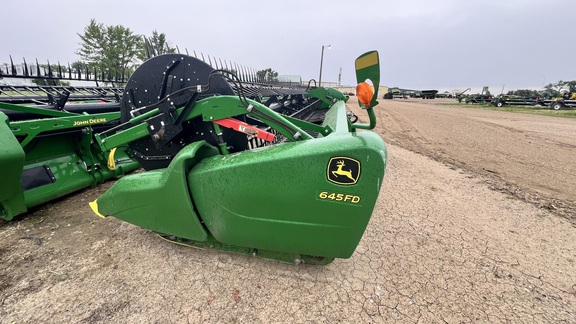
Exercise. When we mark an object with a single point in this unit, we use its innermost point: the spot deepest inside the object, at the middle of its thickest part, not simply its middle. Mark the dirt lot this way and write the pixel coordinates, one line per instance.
(529, 156)
(472, 225)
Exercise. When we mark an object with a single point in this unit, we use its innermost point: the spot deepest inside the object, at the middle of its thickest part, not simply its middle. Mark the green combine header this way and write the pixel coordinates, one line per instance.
(280, 173)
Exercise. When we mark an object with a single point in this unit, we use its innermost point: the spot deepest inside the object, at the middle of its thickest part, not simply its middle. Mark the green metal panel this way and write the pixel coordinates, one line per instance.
(327, 96)
(280, 198)
(368, 68)
(159, 200)
(32, 128)
(35, 110)
(72, 167)
(337, 94)
(69, 176)
(336, 118)
(11, 165)
(61, 149)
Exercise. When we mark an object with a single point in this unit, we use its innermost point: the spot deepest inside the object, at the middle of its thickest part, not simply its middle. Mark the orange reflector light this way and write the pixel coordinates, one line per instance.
(364, 93)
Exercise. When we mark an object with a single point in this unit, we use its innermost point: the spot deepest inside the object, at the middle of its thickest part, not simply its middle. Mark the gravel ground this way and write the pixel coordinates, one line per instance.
(446, 243)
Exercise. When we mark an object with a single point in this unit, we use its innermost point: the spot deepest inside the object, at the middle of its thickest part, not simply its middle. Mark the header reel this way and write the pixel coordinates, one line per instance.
(166, 83)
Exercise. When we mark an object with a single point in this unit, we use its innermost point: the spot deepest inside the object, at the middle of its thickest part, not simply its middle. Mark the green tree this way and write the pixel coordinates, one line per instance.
(553, 89)
(569, 85)
(158, 44)
(112, 49)
(526, 93)
(56, 71)
(267, 75)
(82, 66)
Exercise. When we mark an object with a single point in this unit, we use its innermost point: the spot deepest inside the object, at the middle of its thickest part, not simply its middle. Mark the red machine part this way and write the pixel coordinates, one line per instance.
(247, 129)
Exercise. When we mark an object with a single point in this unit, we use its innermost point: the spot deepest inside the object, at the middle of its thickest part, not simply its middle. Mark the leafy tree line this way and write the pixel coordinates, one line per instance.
(117, 50)
(550, 90)
(267, 75)
(525, 93)
(555, 88)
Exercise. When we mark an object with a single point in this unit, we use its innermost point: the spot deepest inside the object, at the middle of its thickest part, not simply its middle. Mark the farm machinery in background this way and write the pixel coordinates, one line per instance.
(568, 99)
(519, 101)
(398, 93)
(280, 173)
(478, 99)
(482, 98)
(459, 96)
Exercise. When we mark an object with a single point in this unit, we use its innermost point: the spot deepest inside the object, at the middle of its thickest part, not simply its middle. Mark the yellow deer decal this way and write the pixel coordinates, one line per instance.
(340, 172)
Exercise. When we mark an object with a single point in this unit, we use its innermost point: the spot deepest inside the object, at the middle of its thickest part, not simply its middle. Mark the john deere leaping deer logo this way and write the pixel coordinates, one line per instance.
(343, 170)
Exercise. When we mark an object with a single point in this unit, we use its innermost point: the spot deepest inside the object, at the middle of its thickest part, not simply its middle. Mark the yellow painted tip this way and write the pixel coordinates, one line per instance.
(94, 206)
(111, 161)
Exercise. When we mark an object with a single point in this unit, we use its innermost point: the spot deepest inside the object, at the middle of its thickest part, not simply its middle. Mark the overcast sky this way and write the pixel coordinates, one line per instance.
(423, 44)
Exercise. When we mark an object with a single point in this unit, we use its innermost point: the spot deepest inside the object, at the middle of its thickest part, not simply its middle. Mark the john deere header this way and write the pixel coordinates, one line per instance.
(268, 171)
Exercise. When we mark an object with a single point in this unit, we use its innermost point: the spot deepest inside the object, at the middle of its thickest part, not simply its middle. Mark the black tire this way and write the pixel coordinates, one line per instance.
(556, 105)
(500, 104)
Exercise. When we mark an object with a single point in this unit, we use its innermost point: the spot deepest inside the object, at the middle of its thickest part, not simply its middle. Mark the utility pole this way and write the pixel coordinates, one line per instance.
(321, 61)
(340, 77)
